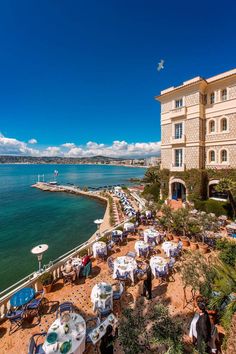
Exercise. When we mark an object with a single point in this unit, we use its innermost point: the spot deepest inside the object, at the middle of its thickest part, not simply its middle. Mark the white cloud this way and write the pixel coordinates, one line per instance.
(68, 145)
(32, 141)
(52, 151)
(12, 146)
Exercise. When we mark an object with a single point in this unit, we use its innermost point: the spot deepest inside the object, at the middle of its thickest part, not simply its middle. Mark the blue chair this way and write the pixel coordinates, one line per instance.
(124, 276)
(131, 254)
(35, 305)
(110, 263)
(143, 252)
(65, 307)
(117, 294)
(35, 348)
(101, 255)
(91, 323)
(16, 318)
(104, 312)
(161, 274)
(110, 244)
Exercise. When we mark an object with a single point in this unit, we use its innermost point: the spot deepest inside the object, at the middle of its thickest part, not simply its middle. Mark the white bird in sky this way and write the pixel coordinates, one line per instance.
(160, 65)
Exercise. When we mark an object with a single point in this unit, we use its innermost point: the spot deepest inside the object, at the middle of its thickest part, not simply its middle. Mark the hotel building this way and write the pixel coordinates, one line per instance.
(198, 126)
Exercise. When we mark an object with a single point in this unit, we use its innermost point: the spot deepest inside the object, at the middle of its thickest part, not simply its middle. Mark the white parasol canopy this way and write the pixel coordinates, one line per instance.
(39, 249)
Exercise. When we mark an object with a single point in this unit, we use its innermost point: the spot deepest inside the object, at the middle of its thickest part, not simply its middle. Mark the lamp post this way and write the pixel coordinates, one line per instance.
(98, 222)
(39, 251)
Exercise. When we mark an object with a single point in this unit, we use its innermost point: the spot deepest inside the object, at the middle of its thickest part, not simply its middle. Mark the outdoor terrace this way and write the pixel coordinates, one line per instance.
(169, 293)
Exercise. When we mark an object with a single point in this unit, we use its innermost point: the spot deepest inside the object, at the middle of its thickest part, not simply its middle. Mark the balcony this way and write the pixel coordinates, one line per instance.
(177, 168)
(178, 112)
(180, 140)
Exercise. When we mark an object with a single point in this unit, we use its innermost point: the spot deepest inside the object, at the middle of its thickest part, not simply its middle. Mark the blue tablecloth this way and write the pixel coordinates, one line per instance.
(22, 297)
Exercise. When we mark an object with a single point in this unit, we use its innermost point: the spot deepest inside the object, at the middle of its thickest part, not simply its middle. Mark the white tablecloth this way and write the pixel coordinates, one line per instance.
(99, 246)
(129, 226)
(101, 293)
(141, 245)
(117, 233)
(158, 263)
(77, 264)
(98, 332)
(151, 234)
(125, 264)
(167, 246)
(76, 334)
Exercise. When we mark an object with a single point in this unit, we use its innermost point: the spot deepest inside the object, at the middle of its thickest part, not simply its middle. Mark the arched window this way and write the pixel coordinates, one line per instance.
(224, 95)
(223, 156)
(224, 125)
(212, 126)
(212, 156)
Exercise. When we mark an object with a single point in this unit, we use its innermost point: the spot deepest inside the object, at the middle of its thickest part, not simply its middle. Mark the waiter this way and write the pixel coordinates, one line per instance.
(147, 283)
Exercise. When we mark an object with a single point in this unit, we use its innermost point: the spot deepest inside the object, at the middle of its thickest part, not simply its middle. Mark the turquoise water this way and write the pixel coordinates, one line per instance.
(29, 216)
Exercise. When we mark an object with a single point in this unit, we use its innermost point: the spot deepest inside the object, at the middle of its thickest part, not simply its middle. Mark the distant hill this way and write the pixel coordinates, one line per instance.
(58, 160)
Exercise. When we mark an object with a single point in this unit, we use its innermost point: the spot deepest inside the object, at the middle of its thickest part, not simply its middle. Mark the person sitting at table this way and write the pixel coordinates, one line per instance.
(68, 270)
(147, 282)
(85, 260)
(107, 341)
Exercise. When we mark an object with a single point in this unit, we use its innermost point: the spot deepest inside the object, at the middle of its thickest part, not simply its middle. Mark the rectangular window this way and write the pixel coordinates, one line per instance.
(224, 95)
(212, 98)
(179, 103)
(178, 157)
(178, 130)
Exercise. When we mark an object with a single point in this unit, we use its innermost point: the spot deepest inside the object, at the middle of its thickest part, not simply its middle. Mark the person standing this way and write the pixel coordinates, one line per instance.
(147, 283)
(203, 328)
(107, 341)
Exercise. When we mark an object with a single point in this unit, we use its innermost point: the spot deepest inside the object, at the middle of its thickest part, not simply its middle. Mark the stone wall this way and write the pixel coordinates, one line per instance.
(166, 132)
(217, 148)
(166, 158)
(218, 135)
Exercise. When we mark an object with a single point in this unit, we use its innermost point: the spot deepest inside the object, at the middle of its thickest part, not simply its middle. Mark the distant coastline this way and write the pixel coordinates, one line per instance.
(94, 160)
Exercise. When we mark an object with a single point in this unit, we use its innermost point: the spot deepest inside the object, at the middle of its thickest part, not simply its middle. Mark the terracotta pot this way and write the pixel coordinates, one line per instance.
(170, 237)
(176, 238)
(185, 241)
(47, 288)
(203, 248)
(193, 246)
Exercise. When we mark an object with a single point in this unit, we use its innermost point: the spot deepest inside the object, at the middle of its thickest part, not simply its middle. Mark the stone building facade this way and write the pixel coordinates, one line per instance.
(198, 126)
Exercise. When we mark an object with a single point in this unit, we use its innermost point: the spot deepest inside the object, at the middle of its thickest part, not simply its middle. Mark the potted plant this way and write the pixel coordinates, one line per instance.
(193, 244)
(46, 279)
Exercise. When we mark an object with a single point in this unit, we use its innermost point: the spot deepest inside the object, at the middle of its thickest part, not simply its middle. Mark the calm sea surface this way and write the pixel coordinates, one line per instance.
(29, 216)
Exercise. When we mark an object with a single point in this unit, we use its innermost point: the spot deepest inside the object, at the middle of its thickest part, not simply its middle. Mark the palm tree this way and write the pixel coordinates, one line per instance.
(152, 175)
(228, 186)
(224, 288)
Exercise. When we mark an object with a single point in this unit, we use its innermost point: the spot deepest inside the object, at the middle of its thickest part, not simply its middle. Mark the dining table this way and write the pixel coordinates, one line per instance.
(151, 236)
(158, 263)
(101, 293)
(141, 247)
(169, 246)
(125, 265)
(98, 332)
(66, 335)
(22, 297)
(99, 247)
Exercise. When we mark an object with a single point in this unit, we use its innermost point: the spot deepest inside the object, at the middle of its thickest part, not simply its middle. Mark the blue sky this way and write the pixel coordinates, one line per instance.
(83, 72)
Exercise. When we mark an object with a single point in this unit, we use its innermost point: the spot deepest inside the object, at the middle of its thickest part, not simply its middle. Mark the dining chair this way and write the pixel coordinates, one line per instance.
(35, 305)
(65, 307)
(117, 294)
(106, 310)
(110, 263)
(34, 347)
(16, 319)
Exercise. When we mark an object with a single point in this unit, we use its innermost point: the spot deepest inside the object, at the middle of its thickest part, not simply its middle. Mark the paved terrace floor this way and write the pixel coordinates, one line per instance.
(169, 293)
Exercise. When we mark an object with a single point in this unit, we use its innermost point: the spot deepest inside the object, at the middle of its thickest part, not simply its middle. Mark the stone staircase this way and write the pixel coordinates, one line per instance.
(175, 204)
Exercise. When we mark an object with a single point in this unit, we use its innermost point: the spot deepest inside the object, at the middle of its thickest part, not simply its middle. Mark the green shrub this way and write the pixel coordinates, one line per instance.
(153, 190)
(213, 206)
(228, 251)
(46, 279)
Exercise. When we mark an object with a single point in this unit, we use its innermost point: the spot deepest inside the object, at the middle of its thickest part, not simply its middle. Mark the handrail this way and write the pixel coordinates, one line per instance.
(51, 264)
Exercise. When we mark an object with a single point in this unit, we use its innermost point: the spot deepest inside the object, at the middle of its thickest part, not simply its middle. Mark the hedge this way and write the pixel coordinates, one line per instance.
(214, 206)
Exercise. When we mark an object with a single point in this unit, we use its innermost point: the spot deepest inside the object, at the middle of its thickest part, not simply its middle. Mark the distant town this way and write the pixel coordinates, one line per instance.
(97, 160)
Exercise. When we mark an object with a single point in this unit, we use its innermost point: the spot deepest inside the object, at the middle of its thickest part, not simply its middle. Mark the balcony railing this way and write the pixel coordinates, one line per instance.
(178, 112)
(178, 140)
(176, 168)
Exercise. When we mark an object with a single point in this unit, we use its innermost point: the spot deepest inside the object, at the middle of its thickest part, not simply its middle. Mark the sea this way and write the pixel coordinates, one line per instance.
(29, 216)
